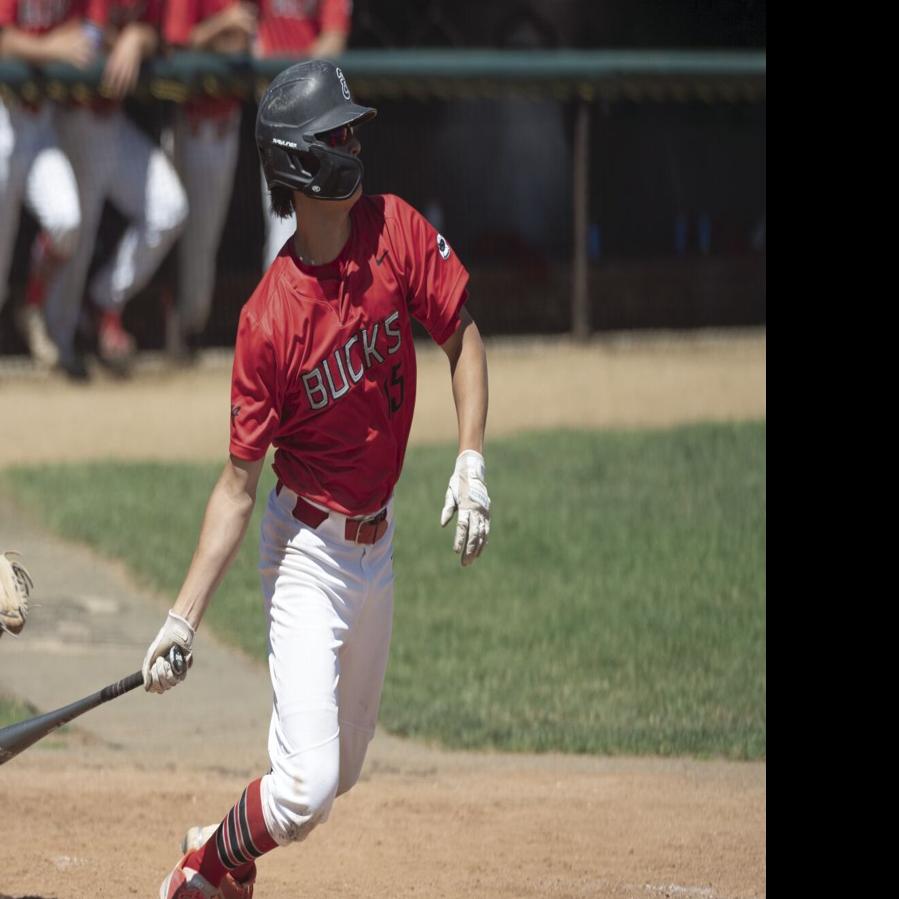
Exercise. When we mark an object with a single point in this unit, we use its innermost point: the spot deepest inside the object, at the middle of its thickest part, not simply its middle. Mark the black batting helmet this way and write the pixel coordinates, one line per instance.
(303, 103)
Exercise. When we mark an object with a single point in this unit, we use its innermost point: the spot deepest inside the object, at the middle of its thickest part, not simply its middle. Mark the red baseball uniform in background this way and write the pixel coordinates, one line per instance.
(324, 364)
(288, 27)
(179, 20)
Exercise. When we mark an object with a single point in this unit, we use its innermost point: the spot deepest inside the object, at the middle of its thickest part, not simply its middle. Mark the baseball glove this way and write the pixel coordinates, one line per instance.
(15, 588)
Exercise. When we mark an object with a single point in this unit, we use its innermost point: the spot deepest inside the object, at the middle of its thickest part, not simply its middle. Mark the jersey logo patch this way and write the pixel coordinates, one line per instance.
(443, 247)
(383, 255)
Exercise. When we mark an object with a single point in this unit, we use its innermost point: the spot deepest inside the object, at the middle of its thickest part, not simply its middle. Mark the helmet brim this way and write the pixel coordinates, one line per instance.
(349, 114)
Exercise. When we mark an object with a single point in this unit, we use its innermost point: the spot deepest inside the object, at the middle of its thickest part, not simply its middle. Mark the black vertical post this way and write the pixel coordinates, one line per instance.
(580, 300)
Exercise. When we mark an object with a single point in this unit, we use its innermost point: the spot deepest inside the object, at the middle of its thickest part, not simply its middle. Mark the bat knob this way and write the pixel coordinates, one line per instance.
(176, 660)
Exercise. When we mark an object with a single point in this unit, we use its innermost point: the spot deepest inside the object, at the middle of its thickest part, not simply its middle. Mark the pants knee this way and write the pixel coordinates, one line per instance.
(354, 742)
(298, 793)
(63, 237)
(166, 216)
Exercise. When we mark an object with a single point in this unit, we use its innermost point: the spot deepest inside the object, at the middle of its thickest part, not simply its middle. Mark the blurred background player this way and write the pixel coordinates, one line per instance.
(114, 160)
(206, 138)
(295, 28)
(33, 169)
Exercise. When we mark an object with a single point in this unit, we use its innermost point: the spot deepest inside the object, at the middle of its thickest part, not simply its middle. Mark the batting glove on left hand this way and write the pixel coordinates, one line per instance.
(159, 675)
(467, 493)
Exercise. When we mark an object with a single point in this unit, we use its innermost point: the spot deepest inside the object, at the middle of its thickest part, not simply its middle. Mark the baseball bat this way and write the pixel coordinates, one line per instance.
(17, 737)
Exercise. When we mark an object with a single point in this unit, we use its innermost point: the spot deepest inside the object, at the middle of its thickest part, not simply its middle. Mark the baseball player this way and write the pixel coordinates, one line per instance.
(113, 159)
(297, 28)
(33, 169)
(206, 133)
(324, 370)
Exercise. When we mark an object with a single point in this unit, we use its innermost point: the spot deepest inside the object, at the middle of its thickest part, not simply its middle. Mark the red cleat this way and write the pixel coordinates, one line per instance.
(185, 883)
(232, 889)
(115, 344)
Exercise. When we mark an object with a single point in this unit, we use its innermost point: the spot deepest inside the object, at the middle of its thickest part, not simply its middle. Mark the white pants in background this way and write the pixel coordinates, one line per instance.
(35, 171)
(206, 157)
(277, 230)
(114, 160)
(330, 611)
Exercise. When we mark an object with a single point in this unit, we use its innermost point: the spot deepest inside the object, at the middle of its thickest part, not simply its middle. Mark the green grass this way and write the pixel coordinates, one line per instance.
(11, 710)
(620, 606)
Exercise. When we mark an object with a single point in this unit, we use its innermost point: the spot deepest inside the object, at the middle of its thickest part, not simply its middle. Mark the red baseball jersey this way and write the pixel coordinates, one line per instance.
(324, 364)
(290, 27)
(39, 16)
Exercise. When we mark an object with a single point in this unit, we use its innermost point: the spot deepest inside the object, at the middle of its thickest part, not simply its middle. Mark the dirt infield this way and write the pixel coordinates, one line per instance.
(97, 815)
(165, 413)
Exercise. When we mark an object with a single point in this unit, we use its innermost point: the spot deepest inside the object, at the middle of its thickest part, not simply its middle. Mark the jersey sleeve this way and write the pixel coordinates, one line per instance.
(437, 280)
(336, 15)
(255, 395)
(8, 9)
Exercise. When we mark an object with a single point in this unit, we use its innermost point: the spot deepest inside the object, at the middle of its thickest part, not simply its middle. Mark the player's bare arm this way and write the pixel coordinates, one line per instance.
(467, 491)
(225, 521)
(135, 42)
(328, 44)
(468, 370)
(67, 43)
(229, 31)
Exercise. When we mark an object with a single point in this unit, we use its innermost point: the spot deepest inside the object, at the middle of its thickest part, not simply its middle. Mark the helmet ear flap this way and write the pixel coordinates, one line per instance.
(291, 170)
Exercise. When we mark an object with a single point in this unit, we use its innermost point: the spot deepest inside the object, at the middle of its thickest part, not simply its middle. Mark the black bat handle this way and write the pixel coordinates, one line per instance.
(127, 684)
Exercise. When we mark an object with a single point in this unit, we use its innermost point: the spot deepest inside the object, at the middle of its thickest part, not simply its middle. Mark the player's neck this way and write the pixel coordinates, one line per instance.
(322, 231)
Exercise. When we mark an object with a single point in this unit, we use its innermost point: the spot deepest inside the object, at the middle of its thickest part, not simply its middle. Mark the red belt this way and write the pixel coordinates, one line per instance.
(358, 530)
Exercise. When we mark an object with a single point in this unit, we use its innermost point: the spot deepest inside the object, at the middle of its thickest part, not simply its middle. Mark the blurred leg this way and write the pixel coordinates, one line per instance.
(207, 157)
(15, 152)
(146, 189)
(90, 141)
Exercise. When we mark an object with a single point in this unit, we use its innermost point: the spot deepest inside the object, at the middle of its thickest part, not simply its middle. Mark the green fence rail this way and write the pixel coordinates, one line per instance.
(601, 75)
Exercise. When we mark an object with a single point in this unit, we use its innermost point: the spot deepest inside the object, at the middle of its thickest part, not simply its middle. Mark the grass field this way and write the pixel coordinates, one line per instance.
(11, 710)
(620, 606)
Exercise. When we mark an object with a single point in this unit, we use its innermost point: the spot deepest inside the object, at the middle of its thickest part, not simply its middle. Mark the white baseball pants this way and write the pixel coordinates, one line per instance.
(113, 159)
(35, 171)
(330, 610)
(277, 230)
(206, 157)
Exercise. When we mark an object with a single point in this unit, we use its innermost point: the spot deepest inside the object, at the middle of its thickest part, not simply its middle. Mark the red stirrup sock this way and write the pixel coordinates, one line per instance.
(240, 839)
(45, 262)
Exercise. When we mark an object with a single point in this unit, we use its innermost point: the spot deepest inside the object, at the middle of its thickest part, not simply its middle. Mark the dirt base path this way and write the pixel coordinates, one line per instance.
(166, 413)
(99, 811)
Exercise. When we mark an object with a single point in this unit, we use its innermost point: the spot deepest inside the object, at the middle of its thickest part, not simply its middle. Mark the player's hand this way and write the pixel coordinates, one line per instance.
(71, 44)
(159, 675)
(467, 495)
(240, 16)
(123, 66)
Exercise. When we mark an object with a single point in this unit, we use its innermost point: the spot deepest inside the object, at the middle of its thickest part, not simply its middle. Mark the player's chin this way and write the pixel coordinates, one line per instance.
(349, 201)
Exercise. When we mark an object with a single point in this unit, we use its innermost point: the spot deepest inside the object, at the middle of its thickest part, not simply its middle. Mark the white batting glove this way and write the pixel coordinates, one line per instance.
(159, 675)
(467, 494)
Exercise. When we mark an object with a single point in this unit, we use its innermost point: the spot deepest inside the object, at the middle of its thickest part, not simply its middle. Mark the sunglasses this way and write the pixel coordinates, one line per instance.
(337, 137)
